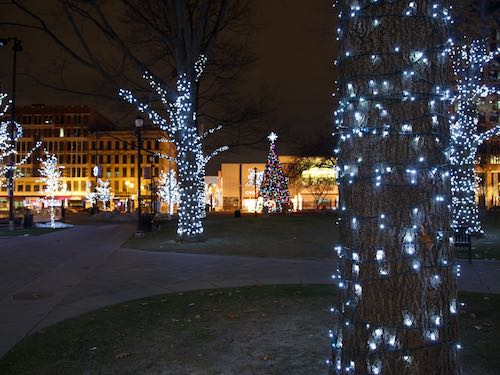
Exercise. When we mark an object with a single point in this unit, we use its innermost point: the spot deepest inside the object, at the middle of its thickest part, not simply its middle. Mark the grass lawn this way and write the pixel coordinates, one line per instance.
(254, 330)
(309, 236)
(27, 232)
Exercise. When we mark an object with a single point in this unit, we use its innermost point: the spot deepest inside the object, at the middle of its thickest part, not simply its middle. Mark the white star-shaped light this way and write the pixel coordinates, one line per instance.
(272, 137)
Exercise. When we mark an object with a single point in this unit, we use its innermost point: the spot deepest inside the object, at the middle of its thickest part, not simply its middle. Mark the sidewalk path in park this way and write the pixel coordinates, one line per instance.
(64, 274)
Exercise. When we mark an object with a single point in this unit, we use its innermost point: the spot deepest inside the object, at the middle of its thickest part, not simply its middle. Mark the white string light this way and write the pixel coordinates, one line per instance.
(405, 252)
(182, 129)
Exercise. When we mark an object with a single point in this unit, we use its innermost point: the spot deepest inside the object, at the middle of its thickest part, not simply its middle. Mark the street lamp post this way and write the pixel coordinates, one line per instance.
(16, 47)
(139, 122)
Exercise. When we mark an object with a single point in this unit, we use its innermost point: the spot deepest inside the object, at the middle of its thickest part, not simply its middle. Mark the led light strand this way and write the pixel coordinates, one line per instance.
(407, 247)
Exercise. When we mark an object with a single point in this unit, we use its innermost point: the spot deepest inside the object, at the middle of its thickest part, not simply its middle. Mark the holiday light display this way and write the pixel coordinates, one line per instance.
(168, 189)
(274, 185)
(397, 310)
(8, 145)
(103, 192)
(182, 128)
(51, 177)
(468, 64)
(90, 195)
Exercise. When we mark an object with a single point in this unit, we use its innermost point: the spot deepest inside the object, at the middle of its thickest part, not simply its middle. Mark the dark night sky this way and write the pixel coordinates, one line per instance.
(294, 46)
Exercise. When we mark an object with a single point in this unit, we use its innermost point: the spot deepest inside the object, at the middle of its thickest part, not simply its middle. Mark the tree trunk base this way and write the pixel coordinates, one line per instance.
(191, 239)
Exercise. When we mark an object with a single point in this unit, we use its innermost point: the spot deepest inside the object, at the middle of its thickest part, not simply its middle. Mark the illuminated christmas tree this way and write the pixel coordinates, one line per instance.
(51, 177)
(274, 187)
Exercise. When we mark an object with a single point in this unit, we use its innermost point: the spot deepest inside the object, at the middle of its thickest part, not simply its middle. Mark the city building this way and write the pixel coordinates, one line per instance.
(239, 185)
(81, 138)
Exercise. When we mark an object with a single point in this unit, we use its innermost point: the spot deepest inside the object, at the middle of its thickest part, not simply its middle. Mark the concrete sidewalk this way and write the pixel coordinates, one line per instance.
(64, 274)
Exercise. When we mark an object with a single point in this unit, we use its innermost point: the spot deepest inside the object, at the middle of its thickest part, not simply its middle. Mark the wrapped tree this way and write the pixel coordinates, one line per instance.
(468, 64)
(274, 186)
(397, 308)
(103, 192)
(51, 177)
(90, 195)
(169, 190)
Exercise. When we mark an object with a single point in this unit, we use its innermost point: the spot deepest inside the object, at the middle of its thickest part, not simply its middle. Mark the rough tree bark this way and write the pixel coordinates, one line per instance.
(397, 313)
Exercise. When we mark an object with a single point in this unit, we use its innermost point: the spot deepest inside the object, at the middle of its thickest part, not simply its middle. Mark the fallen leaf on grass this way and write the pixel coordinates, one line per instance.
(122, 355)
(477, 327)
(93, 348)
(264, 357)
(231, 316)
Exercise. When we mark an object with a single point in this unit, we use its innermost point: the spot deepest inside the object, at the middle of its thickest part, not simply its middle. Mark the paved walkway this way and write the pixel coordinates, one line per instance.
(64, 274)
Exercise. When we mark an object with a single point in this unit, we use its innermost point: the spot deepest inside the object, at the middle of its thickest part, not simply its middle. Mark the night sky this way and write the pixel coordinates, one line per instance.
(294, 46)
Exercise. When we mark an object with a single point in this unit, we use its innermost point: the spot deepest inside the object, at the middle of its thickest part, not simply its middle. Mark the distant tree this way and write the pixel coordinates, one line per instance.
(90, 195)
(103, 192)
(51, 177)
(274, 187)
(169, 189)
(319, 186)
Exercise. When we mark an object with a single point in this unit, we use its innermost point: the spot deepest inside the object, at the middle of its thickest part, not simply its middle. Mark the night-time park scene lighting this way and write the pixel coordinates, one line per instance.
(250, 187)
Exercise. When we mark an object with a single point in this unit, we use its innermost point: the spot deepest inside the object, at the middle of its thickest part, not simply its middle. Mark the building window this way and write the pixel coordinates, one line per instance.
(132, 159)
(109, 146)
(36, 187)
(20, 187)
(117, 159)
(117, 172)
(124, 159)
(132, 172)
(108, 158)
(124, 172)
(117, 145)
(28, 187)
(61, 132)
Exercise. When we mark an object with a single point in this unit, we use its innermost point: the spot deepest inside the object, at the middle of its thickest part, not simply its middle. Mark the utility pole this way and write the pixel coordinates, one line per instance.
(139, 121)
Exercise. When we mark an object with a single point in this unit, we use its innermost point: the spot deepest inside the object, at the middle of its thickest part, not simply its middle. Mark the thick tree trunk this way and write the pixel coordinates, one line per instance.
(397, 313)
(463, 162)
(190, 225)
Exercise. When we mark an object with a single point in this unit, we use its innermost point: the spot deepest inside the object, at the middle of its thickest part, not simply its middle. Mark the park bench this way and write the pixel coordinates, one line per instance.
(462, 239)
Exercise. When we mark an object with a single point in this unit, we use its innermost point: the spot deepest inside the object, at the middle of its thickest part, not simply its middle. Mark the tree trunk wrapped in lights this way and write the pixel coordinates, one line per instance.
(51, 178)
(396, 273)
(468, 64)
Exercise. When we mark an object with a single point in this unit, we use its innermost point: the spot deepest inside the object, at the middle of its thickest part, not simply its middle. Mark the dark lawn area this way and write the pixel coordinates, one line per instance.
(488, 245)
(254, 330)
(307, 236)
(19, 232)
